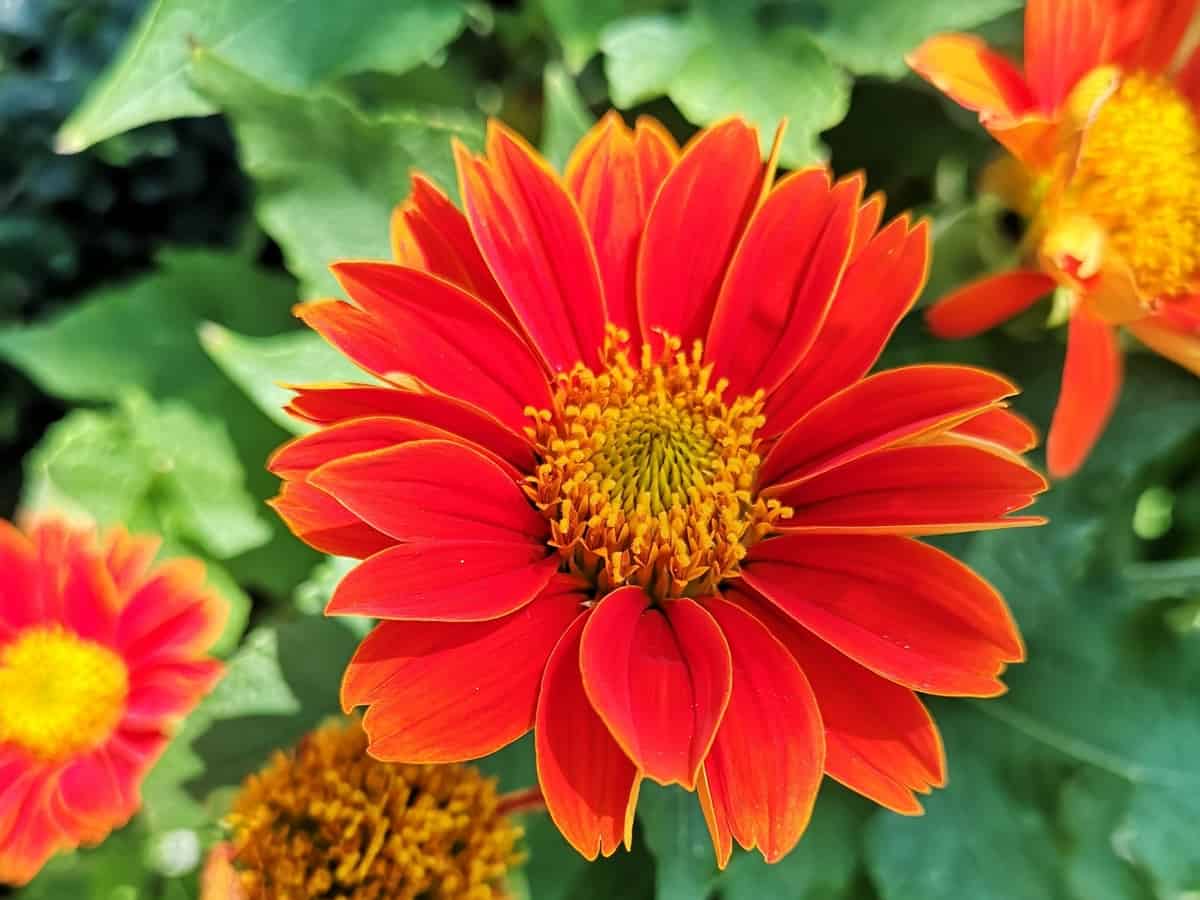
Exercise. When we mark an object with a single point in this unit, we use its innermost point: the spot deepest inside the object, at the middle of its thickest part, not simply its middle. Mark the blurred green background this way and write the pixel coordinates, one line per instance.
(175, 174)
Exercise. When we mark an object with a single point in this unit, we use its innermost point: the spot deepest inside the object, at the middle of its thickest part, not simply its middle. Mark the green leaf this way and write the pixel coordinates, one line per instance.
(115, 870)
(292, 44)
(1091, 807)
(718, 62)
(567, 118)
(260, 366)
(578, 24)
(678, 837)
(327, 175)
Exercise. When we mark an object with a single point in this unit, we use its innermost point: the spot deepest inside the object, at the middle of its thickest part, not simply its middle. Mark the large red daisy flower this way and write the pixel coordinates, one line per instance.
(99, 655)
(621, 480)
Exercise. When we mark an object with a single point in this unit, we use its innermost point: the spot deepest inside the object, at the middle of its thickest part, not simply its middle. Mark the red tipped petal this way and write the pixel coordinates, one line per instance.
(660, 680)
(656, 153)
(448, 339)
(589, 784)
(973, 75)
(364, 340)
(532, 236)
(31, 834)
(761, 777)
(172, 615)
(879, 286)
(694, 225)
(929, 489)
(1151, 31)
(903, 609)
(90, 799)
(18, 579)
(782, 279)
(161, 693)
(870, 214)
(1091, 383)
(324, 524)
(1064, 40)
(128, 557)
(445, 692)
(431, 491)
(887, 408)
(984, 304)
(445, 581)
(1001, 427)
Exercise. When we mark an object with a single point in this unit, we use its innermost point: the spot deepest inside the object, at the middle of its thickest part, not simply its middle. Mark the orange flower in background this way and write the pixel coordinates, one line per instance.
(99, 655)
(1105, 142)
(620, 479)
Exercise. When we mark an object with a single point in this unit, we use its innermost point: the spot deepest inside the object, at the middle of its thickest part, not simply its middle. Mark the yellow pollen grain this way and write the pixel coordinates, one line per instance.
(329, 821)
(59, 694)
(647, 475)
(1138, 176)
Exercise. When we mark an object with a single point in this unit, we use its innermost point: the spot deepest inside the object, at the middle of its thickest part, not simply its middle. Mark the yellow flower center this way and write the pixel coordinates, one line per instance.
(647, 475)
(1138, 177)
(329, 821)
(59, 694)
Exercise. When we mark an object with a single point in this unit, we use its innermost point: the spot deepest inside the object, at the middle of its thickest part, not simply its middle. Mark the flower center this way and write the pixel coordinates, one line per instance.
(647, 475)
(61, 694)
(1138, 177)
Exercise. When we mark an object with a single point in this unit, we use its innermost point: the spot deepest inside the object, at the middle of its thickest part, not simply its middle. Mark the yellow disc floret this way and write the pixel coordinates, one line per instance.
(1137, 176)
(59, 694)
(329, 821)
(647, 475)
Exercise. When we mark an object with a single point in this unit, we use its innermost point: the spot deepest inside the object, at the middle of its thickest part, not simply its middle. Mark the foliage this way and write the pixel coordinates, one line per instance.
(149, 393)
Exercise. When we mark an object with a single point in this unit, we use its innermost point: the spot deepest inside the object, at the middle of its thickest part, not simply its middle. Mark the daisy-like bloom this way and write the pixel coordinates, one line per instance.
(326, 820)
(1105, 163)
(101, 653)
(620, 479)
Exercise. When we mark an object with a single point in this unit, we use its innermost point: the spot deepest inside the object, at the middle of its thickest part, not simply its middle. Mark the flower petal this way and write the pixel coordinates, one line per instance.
(18, 578)
(694, 225)
(880, 411)
(1181, 347)
(29, 834)
(324, 524)
(90, 801)
(161, 693)
(589, 784)
(128, 557)
(433, 490)
(974, 308)
(659, 678)
(1064, 40)
(445, 581)
(449, 339)
(903, 609)
(450, 691)
(924, 489)
(761, 777)
(782, 279)
(1091, 383)
(173, 614)
(1001, 427)
(973, 75)
(535, 242)
(879, 286)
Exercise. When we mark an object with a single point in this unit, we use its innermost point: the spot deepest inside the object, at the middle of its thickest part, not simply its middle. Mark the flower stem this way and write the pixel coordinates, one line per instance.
(525, 800)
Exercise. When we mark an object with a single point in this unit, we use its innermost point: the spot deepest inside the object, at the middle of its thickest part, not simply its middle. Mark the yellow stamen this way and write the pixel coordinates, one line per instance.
(329, 821)
(647, 476)
(59, 694)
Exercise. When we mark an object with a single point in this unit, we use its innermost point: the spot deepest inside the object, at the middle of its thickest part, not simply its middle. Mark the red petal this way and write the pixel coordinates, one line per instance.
(536, 244)
(1151, 31)
(367, 342)
(445, 692)
(985, 303)
(879, 738)
(870, 214)
(1091, 383)
(22, 605)
(879, 287)
(782, 279)
(433, 490)
(1002, 427)
(693, 227)
(324, 524)
(163, 693)
(172, 615)
(660, 680)
(905, 610)
(761, 777)
(449, 340)
(445, 581)
(930, 489)
(70, 582)
(31, 835)
(430, 233)
(128, 557)
(883, 410)
(90, 801)
(1064, 40)
(590, 786)
(656, 152)
(973, 75)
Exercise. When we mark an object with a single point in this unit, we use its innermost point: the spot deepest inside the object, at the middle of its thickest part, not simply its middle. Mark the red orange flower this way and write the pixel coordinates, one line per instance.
(620, 479)
(99, 654)
(1105, 142)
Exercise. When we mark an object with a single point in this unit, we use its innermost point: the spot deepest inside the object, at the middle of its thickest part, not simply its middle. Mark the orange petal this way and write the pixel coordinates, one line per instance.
(22, 604)
(324, 524)
(1064, 40)
(1181, 347)
(1091, 383)
(964, 68)
(986, 302)
(172, 615)
(1001, 427)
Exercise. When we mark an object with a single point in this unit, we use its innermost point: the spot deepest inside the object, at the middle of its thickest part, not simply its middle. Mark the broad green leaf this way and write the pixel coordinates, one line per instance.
(566, 118)
(686, 864)
(718, 62)
(1091, 808)
(578, 24)
(327, 175)
(293, 44)
(261, 366)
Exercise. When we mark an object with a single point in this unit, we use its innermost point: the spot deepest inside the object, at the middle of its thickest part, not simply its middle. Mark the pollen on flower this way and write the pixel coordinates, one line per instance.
(1138, 176)
(647, 475)
(61, 694)
(326, 820)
